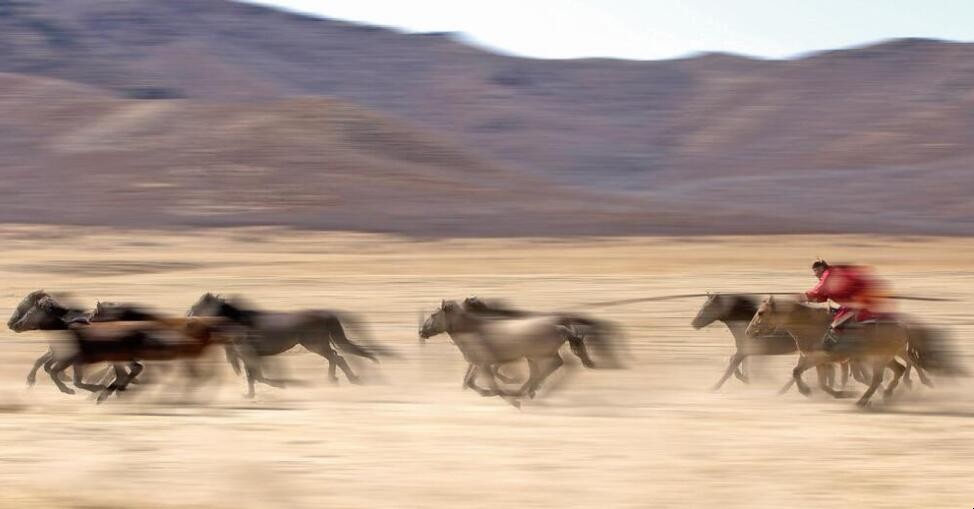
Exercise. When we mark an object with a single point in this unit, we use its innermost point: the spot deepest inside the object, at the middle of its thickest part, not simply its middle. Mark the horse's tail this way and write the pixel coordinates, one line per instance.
(584, 332)
(930, 349)
(232, 357)
(333, 325)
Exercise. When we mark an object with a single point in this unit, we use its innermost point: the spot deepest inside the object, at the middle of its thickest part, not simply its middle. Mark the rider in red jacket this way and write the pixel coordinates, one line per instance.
(860, 295)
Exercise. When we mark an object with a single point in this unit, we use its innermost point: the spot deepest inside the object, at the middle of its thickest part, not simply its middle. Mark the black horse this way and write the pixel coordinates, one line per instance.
(272, 333)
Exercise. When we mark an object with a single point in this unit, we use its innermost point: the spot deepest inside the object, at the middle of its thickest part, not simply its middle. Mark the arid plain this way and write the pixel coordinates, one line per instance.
(652, 435)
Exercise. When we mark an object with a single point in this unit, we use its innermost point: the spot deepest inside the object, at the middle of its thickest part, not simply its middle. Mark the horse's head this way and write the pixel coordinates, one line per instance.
(769, 316)
(715, 308)
(437, 322)
(475, 303)
(44, 313)
(29, 301)
(207, 305)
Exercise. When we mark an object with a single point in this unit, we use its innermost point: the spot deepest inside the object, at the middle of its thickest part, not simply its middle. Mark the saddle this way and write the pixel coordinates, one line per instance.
(855, 331)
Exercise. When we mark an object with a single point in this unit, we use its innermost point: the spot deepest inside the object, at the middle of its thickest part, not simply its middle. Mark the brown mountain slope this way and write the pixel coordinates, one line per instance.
(72, 154)
(836, 141)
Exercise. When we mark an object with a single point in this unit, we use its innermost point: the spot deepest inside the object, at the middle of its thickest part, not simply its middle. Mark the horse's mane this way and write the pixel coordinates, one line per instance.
(479, 306)
(235, 309)
(109, 311)
(743, 307)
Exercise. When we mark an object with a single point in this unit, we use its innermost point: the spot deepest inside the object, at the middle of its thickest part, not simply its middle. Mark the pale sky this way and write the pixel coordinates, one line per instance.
(656, 29)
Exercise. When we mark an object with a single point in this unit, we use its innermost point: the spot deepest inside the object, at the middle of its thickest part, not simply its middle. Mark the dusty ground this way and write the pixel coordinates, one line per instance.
(651, 436)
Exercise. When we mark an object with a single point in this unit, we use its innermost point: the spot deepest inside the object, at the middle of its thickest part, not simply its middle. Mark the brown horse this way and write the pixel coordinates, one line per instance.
(131, 342)
(876, 344)
(40, 311)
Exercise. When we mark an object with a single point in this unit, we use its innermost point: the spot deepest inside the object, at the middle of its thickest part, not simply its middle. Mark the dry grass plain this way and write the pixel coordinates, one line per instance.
(649, 436)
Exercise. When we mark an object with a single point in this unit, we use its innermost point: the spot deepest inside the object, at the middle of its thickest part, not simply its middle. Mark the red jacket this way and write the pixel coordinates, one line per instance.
(851, 287)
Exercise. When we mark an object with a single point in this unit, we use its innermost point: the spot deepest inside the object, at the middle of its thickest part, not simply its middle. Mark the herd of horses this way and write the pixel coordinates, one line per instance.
(488, 334)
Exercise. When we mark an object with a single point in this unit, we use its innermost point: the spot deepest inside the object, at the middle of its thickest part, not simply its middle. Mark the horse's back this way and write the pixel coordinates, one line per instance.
(527, 337)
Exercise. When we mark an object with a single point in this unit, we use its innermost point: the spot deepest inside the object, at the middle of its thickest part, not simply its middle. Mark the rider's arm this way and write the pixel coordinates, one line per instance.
(817, 293)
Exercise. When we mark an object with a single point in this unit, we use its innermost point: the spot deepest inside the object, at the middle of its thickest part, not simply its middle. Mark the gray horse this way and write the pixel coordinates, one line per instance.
(486, 342)
(579, 325)
(272, 333)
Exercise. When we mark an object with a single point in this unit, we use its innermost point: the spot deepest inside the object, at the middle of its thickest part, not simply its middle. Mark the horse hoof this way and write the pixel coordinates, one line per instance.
(355, 381)
(862, 404)
(805, 392)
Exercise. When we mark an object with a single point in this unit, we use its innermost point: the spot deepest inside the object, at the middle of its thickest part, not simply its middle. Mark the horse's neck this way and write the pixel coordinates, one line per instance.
(806, 327)
(462, 329)
(738, 329)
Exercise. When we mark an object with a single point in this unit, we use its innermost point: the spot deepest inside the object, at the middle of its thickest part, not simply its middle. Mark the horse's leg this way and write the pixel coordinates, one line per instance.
(924, 379)
(492, 382)
(254, 370)
(343, 365)
(741, 372)
(913, 360)
(827, 372)
(502, 377)
(859, 372)
(79, 382)
(249, 371)
(58, 368)
(468, 376)
(334, 360)
(123, 378)
(732, 365)
(534, 383)
(826, 378)
(845, 373)
(50, 364)
(42, 360)
(878, 369)
(907, 381)
(470, 381)
(787, 386)
(804, 363)
(898, 372)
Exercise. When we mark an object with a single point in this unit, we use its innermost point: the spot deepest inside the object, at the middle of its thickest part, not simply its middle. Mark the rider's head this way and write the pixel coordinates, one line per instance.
(819, 267)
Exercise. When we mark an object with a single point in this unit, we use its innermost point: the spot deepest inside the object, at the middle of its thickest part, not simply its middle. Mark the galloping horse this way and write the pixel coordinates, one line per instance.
(486, 342)
(579, 325)
(272, 333)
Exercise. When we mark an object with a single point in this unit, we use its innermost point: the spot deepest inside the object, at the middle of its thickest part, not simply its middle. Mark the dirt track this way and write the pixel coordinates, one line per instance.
(650, 436)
